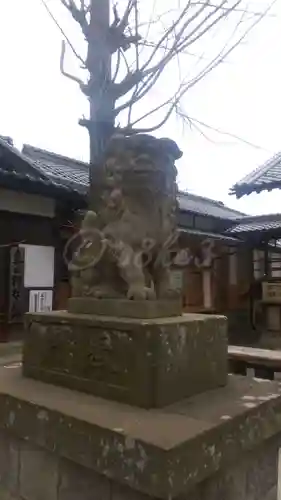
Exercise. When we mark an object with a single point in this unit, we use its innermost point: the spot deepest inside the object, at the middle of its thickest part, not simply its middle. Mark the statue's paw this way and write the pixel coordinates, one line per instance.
(136, 292)
(98, 294)
(151, 295)
(169, 294)
(140, 293)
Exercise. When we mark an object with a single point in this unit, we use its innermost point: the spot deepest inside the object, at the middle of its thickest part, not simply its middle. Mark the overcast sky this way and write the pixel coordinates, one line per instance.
(41, 107)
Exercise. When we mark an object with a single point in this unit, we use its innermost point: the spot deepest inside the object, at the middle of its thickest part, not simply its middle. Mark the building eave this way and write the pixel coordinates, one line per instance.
(240, 190)
(209, 235)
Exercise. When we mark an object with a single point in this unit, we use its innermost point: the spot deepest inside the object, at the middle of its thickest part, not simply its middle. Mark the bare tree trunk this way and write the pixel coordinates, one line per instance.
(101, 123)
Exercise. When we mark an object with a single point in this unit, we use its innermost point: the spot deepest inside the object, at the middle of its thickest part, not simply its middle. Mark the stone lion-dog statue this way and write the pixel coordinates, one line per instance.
(125, 247)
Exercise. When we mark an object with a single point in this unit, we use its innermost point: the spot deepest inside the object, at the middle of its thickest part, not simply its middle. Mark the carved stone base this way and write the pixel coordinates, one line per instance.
(125, 308)
(148, 363)
(57, 444)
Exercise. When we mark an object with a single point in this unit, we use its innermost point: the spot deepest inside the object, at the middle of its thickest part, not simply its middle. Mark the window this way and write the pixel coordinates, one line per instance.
(258, 261)
(275, 265)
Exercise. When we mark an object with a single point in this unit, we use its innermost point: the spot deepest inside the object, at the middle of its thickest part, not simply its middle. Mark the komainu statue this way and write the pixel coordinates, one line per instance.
(125, 246)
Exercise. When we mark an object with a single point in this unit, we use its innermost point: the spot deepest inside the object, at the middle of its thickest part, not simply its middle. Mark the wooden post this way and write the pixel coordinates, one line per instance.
(266, 260)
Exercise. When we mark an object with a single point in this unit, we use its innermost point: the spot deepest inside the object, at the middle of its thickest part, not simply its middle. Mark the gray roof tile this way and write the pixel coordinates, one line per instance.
(206, 206)
(259, 223)
(265, 177)
(63, 172)
(18, 171)
(61, 169)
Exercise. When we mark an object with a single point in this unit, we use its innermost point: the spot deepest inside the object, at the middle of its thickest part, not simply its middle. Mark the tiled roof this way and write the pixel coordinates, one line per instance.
(64, 170)
(206, 206)
(17, 171)
(73, 175)
(259, 223)
(265, 177)
(16, 164)
(7, 139)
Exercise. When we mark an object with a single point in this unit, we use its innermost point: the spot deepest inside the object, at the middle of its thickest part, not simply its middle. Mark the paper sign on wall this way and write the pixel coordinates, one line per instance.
(176, 279)
(39, 266)
(40, 300)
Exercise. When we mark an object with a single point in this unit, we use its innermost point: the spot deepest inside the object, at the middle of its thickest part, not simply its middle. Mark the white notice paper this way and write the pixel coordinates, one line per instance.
(39, 266)
(40, 300)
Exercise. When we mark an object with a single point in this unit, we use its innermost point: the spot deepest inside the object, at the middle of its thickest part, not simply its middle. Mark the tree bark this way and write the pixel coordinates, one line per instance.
(101, 123)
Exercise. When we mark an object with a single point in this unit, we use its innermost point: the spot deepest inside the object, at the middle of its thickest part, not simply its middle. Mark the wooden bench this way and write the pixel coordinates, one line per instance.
(264, 362)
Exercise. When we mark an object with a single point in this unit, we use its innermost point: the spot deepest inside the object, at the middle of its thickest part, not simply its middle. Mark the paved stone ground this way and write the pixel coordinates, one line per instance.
(10, 347)
(10, 352)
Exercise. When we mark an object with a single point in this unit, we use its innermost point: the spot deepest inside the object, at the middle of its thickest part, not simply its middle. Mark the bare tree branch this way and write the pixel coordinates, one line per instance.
(79, 15)
(117, 67)
(184, 88)
(174, 102)
(149, 76)
(180, 45)
(81, 84)
(176, 31)
(148, 84)
(193, 121)
(63, 34)
(125, 20)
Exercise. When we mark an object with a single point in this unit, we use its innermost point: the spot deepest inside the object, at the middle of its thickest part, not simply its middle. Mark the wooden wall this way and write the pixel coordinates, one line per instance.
(222, 287)
(20, 228)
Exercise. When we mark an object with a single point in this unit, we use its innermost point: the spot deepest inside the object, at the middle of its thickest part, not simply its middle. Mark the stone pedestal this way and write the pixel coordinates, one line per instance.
(124, 308)
(58, 444)
(143, 362)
